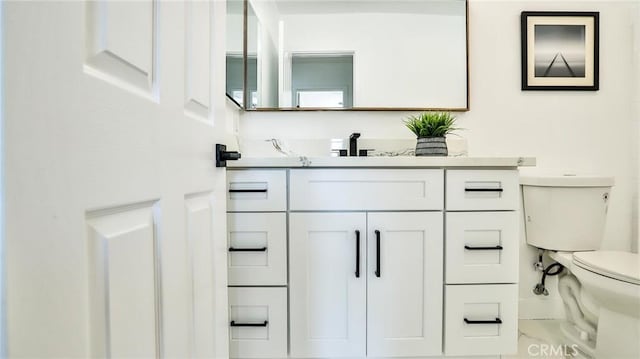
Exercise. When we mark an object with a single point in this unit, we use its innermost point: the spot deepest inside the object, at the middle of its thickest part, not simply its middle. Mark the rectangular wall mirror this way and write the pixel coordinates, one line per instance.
(301, 55)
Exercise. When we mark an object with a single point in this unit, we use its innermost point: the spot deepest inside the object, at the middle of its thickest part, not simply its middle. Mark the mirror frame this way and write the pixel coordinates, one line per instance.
(308, 109)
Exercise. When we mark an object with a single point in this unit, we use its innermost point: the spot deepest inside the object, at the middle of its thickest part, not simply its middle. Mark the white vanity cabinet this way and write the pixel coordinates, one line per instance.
(365, 283)
(381, 262)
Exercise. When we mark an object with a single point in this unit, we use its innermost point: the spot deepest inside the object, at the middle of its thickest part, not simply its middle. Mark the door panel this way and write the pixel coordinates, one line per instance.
(123, 272)
(199, 231)
(404, 303)
(120, 43)
(108, 251)
(198, 59)
(327, 301)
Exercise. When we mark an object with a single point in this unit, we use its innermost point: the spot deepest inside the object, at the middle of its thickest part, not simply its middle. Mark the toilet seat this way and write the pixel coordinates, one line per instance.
(623, 266)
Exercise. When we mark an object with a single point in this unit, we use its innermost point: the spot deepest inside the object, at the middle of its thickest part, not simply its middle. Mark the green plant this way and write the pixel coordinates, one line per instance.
(431, 124)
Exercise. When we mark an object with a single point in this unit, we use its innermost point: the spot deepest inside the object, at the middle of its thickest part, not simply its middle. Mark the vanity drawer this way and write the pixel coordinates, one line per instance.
(481, 247)
(470, 190)
(257, 248)
(257, 322)
(256, 190)
(481, 319)
(366, 189)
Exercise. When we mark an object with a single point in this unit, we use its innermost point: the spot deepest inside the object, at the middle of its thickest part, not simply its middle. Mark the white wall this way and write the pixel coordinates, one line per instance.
(593, 132)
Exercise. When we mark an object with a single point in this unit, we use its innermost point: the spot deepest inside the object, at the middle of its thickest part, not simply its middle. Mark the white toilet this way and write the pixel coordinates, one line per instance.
(600, 289)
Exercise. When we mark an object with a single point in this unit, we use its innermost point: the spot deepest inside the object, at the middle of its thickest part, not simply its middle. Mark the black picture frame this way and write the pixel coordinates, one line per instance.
(560, 50)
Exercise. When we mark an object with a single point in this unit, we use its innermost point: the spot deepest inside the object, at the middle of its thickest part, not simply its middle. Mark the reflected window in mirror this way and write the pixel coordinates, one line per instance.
(236, 80)
(321, 80)
(320, 99)
(252, 81)
(235, 77)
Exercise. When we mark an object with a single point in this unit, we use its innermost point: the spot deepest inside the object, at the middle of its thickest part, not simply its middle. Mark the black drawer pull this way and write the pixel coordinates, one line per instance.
(248, 190)
(497, 321)
(262, 249)
(357, 254)
(483, 190)
(377, 272)
(234, 324)
(493, 248)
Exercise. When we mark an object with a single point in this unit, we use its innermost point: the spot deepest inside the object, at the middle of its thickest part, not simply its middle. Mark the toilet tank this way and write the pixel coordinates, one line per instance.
(565, 213)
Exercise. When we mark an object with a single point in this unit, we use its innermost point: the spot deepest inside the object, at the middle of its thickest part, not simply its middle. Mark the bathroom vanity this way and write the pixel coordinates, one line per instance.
(373, 257)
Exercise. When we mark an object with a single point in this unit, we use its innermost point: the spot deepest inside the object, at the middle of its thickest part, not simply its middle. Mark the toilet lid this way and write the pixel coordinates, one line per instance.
(624, 266)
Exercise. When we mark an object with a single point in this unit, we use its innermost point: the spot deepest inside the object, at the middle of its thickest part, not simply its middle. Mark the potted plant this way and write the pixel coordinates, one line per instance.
(431, 129)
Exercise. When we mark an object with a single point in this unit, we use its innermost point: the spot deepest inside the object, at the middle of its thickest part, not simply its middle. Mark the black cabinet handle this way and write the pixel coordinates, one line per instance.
(262, 249)
(377, 253)
(491, 248)
(483, 190)
(262, 190)
(496, 321)
(234, 324)
(357, 253)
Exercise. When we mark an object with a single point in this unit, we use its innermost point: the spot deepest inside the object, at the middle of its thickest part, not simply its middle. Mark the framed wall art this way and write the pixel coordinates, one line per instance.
(560, 50)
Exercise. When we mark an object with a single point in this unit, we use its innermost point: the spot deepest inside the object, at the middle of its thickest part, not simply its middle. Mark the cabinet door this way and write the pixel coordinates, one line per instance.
(404, 315)
(326, 291)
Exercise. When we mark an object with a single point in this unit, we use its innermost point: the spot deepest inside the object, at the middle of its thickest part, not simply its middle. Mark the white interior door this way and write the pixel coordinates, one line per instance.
(404, 300)
(115, 224)
(327, 299)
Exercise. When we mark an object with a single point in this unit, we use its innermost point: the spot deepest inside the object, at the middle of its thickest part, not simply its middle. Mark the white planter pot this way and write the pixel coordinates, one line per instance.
(431, 146)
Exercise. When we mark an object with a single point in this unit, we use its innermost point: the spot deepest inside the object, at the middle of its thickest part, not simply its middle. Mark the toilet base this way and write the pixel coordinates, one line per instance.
(586, 348)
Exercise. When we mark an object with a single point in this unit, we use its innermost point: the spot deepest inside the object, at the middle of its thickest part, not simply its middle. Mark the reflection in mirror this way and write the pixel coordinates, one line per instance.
(358, 54)
(235, 59)
(252, 57)
(262, 54)
(322, 80)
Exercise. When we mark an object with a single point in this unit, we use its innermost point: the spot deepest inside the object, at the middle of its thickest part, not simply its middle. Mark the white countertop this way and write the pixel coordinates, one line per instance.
(384, 162)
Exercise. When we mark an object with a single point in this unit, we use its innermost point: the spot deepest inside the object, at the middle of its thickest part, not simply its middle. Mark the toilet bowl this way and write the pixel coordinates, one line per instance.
(605, 299)
(613, 279)
(600, 289)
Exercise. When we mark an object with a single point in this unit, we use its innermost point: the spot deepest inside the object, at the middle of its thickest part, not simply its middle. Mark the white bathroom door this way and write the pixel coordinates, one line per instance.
(115, 224)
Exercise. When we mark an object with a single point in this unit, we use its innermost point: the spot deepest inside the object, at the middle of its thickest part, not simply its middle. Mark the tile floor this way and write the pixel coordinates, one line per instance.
(541, 339)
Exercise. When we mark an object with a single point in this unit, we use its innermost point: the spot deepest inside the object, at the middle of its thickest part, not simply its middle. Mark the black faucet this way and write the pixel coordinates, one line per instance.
(353, 144)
